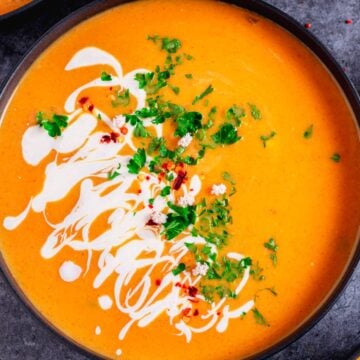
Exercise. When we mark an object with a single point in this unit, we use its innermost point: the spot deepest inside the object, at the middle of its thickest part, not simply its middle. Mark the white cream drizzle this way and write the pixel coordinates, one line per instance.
(124, 246)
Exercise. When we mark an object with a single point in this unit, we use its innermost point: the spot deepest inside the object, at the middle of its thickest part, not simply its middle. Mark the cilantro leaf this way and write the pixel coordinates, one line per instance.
(188, 122)
(170, 45)
(235, 113)
(227, 134)
(54, 125)
(273, 247)
(336, 157)
(255, 112)
(179, 269)
(165, 191)
(122, 98)
(137, 162)
(105, 76)
(259, 318)
(266, 138)
(206, 92)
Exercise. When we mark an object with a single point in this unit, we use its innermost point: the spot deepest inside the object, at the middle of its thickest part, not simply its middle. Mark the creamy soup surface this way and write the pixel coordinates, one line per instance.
(180, 180)
(11, 5)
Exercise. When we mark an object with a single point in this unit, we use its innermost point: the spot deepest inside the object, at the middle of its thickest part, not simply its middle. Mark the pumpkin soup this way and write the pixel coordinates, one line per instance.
(180, 179)
(7, 6)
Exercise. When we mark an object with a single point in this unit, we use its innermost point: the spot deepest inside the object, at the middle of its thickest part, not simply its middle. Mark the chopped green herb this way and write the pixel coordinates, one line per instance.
(170, 45)
(179, 269)
(273, 247)
(151, 201)
(256, 272)
(308, 132)
(259, 318)
(137, 162)
(206, 92)
(175, 89)
(188, 76)
(113, 174)
(227, 177)
(266, 138)
(99, 116)
(336, 157)
(227, 134)
(192, 247)
(105, 76)
(122, 98)
(255, 112)
(165, 191)
(53, 125)
(235, 113)
(188, 122)
(151, 83)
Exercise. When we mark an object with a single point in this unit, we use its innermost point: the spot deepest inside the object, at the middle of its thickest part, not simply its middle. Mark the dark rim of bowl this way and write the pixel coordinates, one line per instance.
(20, 10)
(257, 6)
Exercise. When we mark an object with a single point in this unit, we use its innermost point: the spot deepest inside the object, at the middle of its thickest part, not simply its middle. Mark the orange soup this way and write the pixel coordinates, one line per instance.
(180, 179)
(7, 6)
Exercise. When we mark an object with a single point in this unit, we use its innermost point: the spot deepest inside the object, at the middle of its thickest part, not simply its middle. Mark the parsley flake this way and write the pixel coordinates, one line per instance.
(255, 112)
(179, 269)
(266, 138)
(137, 162)
(336, 157)
(273, 247)
(259, 318)
(227, 134)
(309, 132)
(206, 92)
(105, 76)
(53, 125)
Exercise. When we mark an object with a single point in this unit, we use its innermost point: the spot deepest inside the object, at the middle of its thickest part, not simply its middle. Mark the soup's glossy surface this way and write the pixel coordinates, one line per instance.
(296, 173)
(7, 6)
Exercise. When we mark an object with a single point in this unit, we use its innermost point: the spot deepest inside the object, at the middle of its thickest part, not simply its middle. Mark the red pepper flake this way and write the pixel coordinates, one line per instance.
(114, 136)
(124, 130)
(151, 206)
(179, 180)
(139, 191)
(83, 100)
(194, 300)
(348, 21)
(110, 88)
(218, 313)
(308, 25)
(158, 282)
(91, 107)
(196, 312)
(147, 177)
(105, 139)
(192, 290)
(151, 222)
(178, 284)
(186, 311)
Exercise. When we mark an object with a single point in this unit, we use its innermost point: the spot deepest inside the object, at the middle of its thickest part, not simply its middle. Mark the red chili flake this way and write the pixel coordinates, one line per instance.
(164, 166)
(158, 282)
(147, 177)
(218, 313)
(83, 100)
(114, 136)
(151, 222)
(196, 312)
(179, 180)
(139, 191)
(151, 206)
(124, 130)
(194, 300)
(91, 107)
(178, 284)
(110, 88)
(308, 25)
(192, 290)
(348, 21)
(186, 311)
(105, 139)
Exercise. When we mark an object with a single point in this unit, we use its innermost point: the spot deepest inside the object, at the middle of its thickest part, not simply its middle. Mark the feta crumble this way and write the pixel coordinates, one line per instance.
(218, 189)
(186, 200)
(185, 141)
(69, 271)
(105, 302)
(158, 217)
(200, 269)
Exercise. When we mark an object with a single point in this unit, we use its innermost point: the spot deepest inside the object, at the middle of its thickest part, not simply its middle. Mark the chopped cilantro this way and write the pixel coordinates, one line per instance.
(170, 45)
(105, 76)
(113, 174)
(53, 125)
(336, 157)
(256, 272)
(309, 132)
(188, 76)
(192, 247)
(235, 114)
(151, 83)
(206, 92)
(137, 162)
(273, 247)
(175, 89)
(188, 122)
(266, 138)
(122, 98)
(179, 269)
(165, 191)
(255, 112)
(227, 177)
(227, 134)
(259, 318)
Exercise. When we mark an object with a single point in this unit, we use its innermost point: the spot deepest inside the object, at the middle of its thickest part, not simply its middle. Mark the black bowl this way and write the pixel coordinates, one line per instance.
(263, 9)
(21, 12)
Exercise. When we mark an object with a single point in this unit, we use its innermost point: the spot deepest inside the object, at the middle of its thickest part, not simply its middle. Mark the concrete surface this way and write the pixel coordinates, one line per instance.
(337, 335)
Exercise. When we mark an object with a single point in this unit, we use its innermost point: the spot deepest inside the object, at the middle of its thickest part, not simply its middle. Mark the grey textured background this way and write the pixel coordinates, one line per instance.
(337, 335)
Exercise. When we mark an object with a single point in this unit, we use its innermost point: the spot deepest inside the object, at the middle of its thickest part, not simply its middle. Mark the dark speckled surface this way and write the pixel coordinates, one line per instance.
(337, 335)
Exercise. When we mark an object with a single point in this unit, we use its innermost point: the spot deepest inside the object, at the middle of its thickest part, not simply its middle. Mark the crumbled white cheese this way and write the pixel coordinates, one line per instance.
(98, 330)
(69, 271)
(185, 141)
(158, 217)
(118, 352)
(119, 121)
(218, 189)
(105, 302)
(186, 200)
(200, 269)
